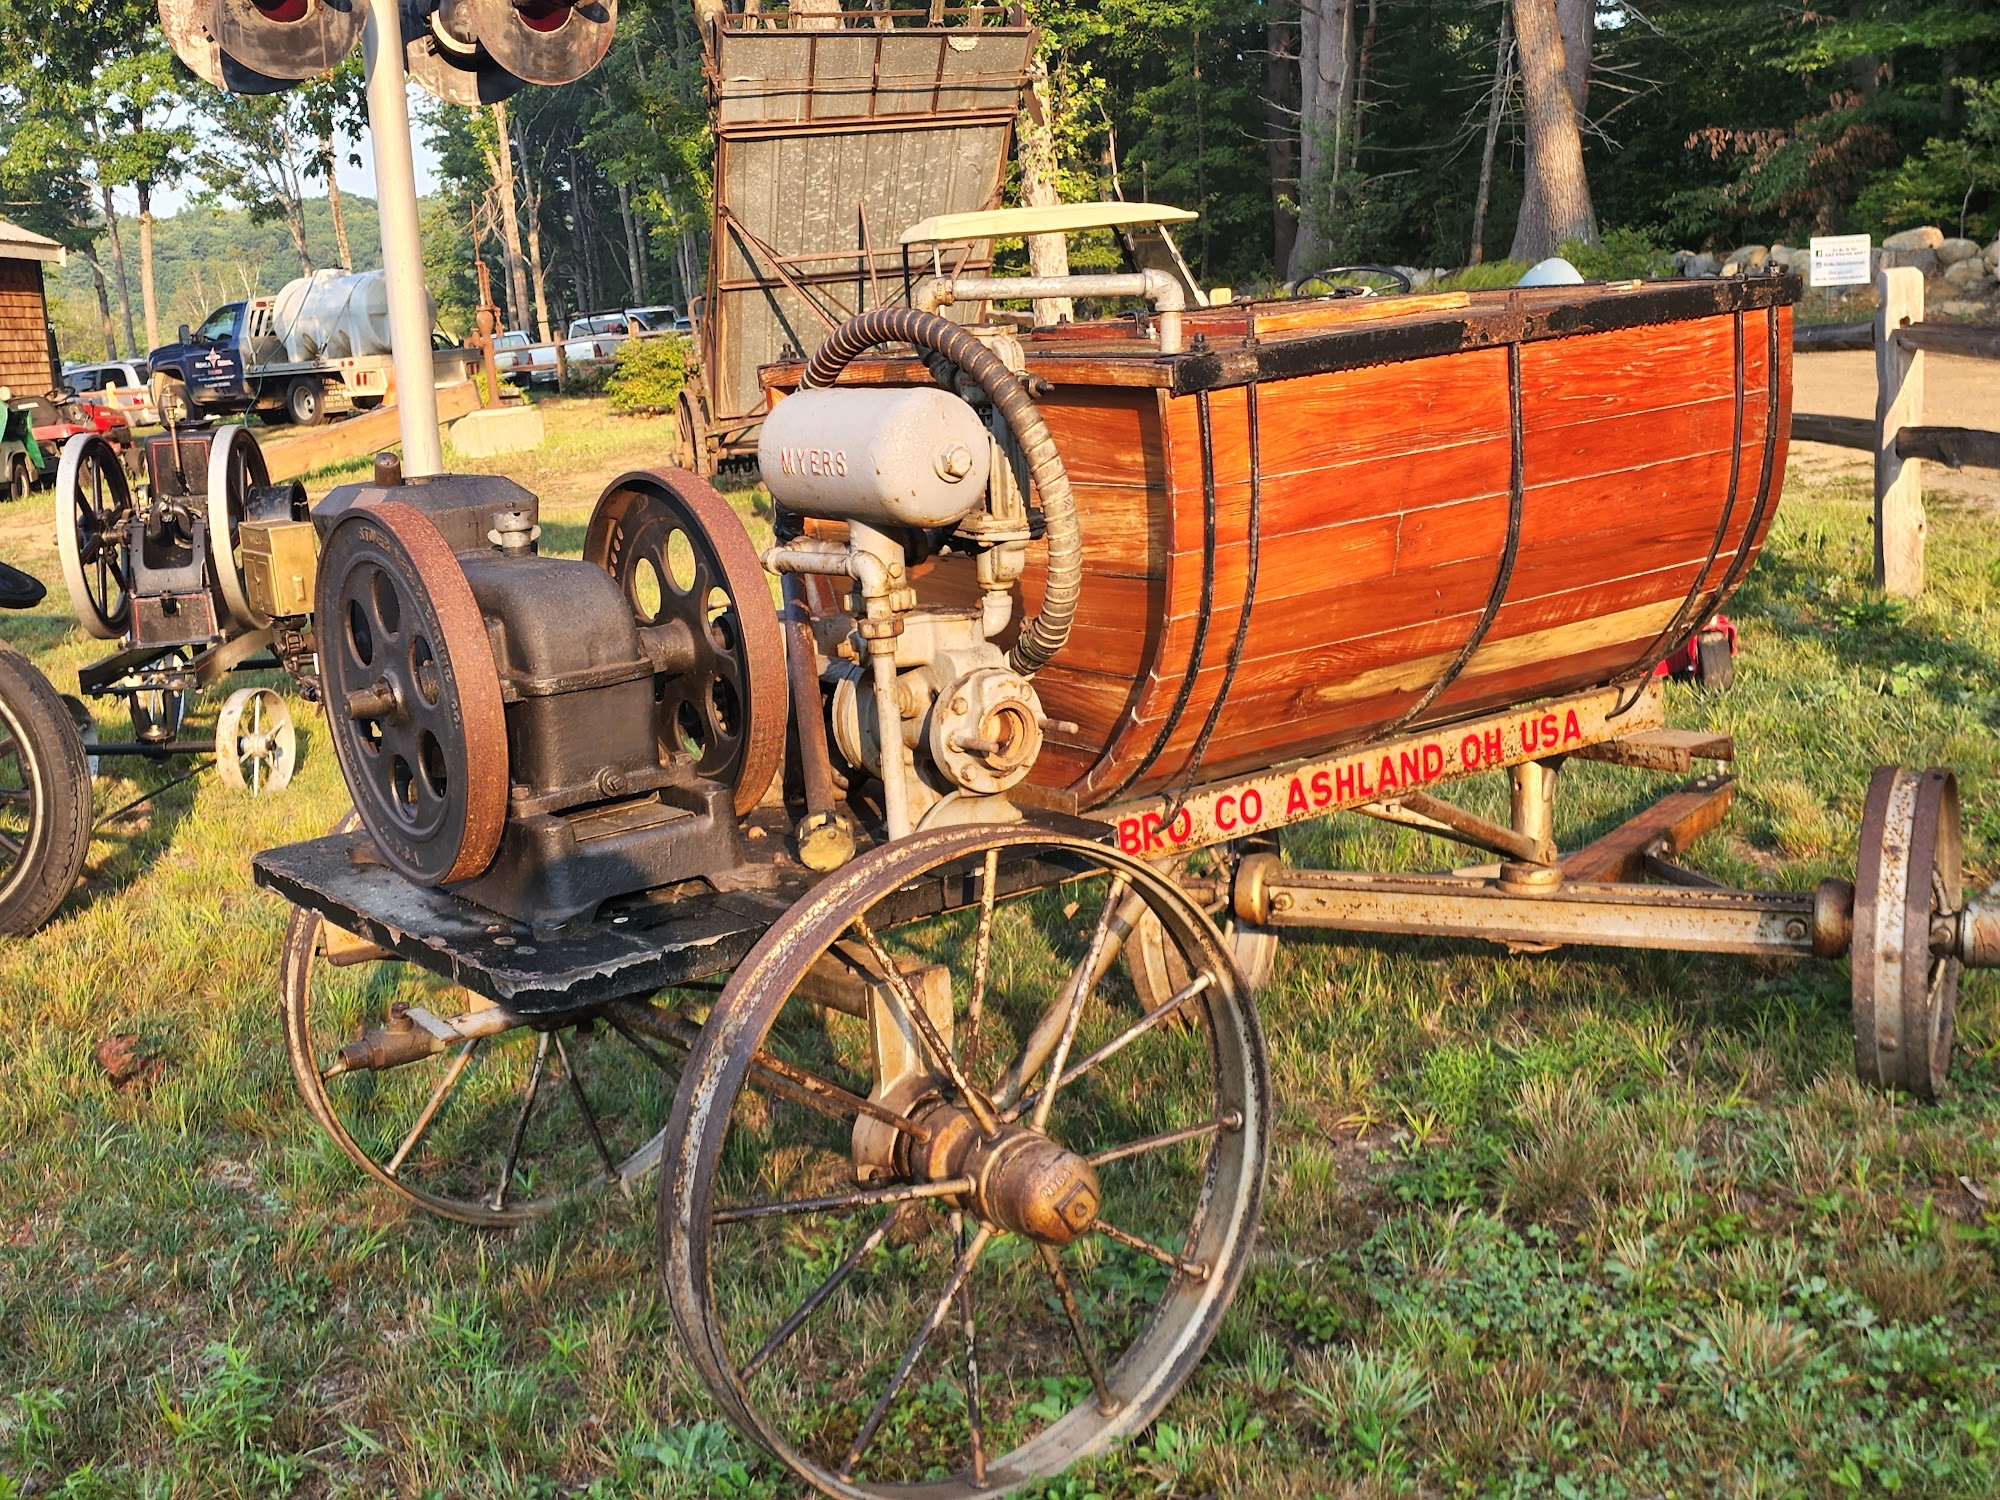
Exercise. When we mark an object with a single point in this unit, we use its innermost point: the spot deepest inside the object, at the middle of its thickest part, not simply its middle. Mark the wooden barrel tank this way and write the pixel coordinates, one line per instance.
(1329, 520)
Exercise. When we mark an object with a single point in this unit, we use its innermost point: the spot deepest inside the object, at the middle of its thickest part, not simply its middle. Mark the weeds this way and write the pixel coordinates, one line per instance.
(1591, 1224)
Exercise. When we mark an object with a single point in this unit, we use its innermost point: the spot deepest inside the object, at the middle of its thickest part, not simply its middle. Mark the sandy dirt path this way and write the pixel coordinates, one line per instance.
(1958, 392)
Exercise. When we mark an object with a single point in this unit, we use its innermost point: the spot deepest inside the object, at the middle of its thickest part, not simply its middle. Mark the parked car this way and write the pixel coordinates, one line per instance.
(595, 337)
(518, 356)
(122, 387)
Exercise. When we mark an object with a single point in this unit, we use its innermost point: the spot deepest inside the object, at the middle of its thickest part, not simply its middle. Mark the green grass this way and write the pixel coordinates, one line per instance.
(1607, 1225)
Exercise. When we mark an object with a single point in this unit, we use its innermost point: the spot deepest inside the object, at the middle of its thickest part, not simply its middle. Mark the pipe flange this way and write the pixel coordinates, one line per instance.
(986, 730)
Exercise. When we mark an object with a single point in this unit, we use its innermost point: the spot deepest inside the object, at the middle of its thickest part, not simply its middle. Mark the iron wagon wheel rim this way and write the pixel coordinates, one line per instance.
(1158, 1357)
(1909, 872)
(296, 1009)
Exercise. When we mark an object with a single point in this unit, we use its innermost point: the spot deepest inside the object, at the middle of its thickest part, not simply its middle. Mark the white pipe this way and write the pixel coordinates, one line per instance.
(402, 241)
(1168, 296)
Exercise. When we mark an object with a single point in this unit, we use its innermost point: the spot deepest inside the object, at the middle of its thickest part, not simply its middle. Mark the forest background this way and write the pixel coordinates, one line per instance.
(1306, 132)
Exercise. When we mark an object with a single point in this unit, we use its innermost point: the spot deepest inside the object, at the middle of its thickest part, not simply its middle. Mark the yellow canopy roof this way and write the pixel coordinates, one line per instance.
(1063, 218)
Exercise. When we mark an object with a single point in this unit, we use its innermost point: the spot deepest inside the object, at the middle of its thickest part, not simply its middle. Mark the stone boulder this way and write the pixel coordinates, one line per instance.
(1967, 275)
(1927, 238)
(1992, 256)
(1925, 260)
(1747, 258)
(1951, 252)
(1702, 264)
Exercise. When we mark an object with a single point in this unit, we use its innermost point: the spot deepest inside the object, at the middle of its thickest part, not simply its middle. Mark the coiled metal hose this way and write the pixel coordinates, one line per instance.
(1043, 636)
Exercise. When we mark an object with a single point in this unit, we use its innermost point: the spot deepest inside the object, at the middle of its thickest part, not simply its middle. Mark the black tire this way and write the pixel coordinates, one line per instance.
(1714, 662)
(305, 402)
(20, 479)
(171, 391)
(50, 827)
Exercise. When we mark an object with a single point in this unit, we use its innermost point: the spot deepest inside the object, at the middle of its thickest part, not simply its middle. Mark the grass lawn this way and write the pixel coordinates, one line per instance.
(1536, 1225)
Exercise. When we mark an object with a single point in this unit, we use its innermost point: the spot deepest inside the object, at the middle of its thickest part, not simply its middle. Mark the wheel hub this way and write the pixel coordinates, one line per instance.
(1022, 1181)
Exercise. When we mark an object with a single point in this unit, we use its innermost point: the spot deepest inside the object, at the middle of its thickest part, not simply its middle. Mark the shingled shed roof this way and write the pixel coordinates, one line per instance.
(17, 243)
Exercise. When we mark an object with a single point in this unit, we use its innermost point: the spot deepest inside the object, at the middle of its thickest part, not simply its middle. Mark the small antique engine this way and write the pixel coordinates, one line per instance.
(913, 470)
(541, 734)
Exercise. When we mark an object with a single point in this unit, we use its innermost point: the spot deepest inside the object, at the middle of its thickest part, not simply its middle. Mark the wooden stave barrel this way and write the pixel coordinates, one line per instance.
(1307, 682)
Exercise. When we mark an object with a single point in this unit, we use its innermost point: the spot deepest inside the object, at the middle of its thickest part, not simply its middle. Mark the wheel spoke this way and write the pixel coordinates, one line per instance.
(499, 1199)
(774, 1074)
(975, 1430)
(869, 1244)
(1052, 1264)
(898, 985)
(1166, 1138)
(1082, 983)
(968, 1258)
(429, 1112)
(9, 844)
(841, 1203)
(982, 954)
(1048, 1030)
(1197, 1269)
(1117, 1044)
(583, 1108)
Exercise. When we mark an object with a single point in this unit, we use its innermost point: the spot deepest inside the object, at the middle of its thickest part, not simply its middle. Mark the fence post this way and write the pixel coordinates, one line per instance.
(1899, 403)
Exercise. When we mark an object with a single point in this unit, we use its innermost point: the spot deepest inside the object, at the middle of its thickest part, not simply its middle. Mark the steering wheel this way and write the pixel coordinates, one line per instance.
(1352, 281)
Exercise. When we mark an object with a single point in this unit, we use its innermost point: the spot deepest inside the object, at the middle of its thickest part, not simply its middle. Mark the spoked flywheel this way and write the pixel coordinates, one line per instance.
(684, 561)
(93, 501)
(235, 467)
(492, 1130)
(256, 747)
(1910, 877)
(944, 1213)
(413, 697)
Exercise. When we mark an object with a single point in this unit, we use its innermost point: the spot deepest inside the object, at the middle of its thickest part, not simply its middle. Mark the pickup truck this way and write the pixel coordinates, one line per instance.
(594, 338)
(236, 362)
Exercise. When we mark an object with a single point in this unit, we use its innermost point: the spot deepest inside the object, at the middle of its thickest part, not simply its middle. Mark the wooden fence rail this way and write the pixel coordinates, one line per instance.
(1900, 338)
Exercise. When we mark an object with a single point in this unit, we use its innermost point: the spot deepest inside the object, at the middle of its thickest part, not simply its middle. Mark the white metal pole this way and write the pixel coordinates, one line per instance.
(402, 241)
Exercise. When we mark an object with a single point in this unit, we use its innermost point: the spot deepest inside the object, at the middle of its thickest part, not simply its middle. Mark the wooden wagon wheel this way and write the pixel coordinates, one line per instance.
(1910, 874)
(902, 1259)
(493, 1132)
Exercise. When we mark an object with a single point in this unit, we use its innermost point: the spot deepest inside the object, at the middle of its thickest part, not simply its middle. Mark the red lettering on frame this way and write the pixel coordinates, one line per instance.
(1295, 798)
(1322, 790)
(1385, 776)
(1128, 835)
(1252, 814)
(1492, 749)
(1433, 761)
(1468, 752)
(1572, 731)
(1225, 820)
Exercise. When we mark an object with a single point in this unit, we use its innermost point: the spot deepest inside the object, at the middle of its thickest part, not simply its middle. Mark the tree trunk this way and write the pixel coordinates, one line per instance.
(1364, 57)
(635, 263)
(531, 203)
(148, 289)
(1503, 77)
(1281, 125)
(510, 219)
(1539, 227)
(118, 267)
(1556, 204)
(328, 158)
(104, 309)
(295, 221)
(1035, 146)
(1325, 91)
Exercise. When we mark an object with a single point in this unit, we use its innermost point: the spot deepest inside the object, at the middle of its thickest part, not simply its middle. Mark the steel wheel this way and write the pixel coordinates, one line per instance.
(493, 1131)
(900, 1260)
(235, 467)
(44, 797)
(92, 504)
(256, 748)
(1158, 971)
(413, 697)
(1910, 874)
(684, 561)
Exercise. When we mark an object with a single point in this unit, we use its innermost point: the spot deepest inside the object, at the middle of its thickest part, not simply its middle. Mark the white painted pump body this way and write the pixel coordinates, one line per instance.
(913, 457)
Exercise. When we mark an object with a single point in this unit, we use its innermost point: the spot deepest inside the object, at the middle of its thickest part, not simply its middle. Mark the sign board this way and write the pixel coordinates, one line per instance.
(1227, 810)
(1840, 260)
